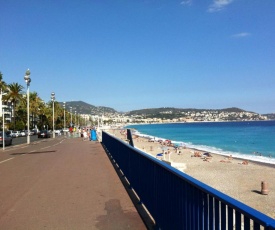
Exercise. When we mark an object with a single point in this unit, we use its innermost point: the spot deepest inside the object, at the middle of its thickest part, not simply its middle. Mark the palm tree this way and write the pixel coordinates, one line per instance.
(43, 113)
(3, 84)
(3, 87)
(35, 101)
(14, 95)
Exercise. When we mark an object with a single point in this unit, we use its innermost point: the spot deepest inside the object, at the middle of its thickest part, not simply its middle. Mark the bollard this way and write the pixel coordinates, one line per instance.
(264, 190)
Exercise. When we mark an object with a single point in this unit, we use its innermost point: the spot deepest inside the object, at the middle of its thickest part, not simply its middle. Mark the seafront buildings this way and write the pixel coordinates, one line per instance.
(189, 116)
(101, 117)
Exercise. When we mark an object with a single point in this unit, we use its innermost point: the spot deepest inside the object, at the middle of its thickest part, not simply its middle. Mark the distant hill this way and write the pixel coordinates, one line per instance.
(164, 112)
(85, 108)
(171, 110)
(196, 114)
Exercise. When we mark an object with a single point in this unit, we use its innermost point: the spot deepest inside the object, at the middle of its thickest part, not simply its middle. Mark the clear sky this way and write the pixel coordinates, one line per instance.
(135, 54)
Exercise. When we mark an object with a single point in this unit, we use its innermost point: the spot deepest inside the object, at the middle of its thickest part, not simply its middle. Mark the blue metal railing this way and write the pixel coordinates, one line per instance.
(178, 201)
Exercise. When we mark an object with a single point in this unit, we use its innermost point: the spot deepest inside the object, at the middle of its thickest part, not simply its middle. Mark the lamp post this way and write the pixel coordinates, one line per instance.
(53, 98)
(78, 120)
(3, 131)
(75, 118)
(71, 116)
(64, 106)
(28, 81)
(3, 116)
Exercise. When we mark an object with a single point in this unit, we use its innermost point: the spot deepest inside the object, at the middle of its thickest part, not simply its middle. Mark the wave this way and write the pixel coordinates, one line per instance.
(211, 149)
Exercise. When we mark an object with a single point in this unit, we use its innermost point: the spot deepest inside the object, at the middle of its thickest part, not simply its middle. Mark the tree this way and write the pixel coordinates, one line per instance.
(3, 85)
(35, 101)
(44, 114)
(14, 95)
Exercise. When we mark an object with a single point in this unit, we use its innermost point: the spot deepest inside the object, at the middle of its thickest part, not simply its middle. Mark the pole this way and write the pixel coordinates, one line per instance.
(71, 116)
(53, 121)
(1, 101)
(3, 131)
(28, 108)
(28, 81)
(75, 118)
(64, 116)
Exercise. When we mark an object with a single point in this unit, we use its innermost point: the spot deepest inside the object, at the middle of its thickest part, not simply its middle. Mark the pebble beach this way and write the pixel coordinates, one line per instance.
(235, 177)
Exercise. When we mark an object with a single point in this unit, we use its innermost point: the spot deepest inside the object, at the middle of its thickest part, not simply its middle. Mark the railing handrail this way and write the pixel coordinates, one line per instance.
(245, 210)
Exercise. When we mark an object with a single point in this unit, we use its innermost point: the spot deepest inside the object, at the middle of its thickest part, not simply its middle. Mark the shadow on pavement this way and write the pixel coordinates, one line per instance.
(145, 216)
(52, 151)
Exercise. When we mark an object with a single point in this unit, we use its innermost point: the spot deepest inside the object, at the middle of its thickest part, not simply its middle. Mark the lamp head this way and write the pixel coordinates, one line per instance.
(28, 72)
(27, 76)
(53, 96)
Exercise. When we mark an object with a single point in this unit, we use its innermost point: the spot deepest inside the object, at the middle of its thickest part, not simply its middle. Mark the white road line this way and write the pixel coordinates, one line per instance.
(46, 147)
(6, 160)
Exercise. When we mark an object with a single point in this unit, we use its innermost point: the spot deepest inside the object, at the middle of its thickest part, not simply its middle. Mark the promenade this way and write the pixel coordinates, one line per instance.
(63, 183)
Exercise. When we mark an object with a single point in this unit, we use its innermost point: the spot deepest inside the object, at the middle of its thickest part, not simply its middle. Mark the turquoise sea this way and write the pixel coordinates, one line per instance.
(253, 140)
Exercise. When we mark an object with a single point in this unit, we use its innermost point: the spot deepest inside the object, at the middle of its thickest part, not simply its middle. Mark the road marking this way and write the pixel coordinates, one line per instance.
(46, 147)
(6, 160)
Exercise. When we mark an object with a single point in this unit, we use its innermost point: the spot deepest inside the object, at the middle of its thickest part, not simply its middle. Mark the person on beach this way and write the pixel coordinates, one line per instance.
(85, 135)
(225, 161)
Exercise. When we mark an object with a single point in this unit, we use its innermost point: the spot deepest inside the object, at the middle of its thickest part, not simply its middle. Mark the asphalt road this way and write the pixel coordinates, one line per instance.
(63, 183)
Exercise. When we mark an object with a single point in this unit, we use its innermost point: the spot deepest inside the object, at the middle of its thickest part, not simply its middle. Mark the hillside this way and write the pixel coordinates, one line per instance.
(166, 113)
(174, 111)
(162, 113)
(85, 108)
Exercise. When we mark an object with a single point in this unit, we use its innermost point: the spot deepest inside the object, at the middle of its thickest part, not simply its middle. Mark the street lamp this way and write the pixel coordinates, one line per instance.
(75, 118)
(3, 127)
(28, 81)
(3, 116)
(78, 118)
(71, 116)
(53, 98)
(64, 106)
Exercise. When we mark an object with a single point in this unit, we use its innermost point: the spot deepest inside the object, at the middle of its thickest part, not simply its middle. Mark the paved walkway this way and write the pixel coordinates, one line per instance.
(63, 183)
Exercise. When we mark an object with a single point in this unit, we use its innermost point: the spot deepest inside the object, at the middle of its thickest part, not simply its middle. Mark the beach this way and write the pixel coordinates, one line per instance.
(235, 177)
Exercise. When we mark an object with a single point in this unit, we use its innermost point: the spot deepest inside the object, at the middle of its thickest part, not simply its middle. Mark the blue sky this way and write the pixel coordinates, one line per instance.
(135, 54)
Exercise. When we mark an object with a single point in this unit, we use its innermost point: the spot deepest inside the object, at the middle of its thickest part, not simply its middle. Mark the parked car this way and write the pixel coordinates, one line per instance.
(23, 133)
(15, 134)
(65, 130)
(43, 134)
(7, 139)
(58, 132)
(9, 132)
(30, 133)
(35, 131)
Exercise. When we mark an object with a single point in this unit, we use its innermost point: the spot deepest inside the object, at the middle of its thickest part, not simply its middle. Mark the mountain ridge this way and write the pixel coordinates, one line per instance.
(86, 108)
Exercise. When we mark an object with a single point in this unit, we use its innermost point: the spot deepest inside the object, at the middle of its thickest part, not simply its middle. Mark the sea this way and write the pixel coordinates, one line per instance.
(251, 140)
